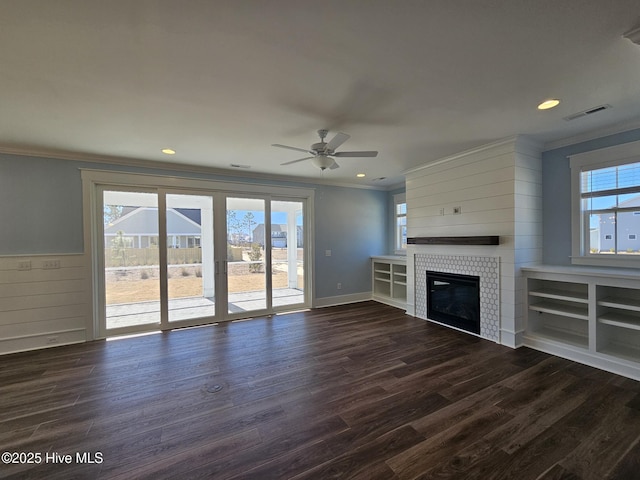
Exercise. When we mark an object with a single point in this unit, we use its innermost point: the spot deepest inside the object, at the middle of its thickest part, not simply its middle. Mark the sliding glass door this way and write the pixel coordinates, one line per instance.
(183, 257)
(190, 257)
(246, 263)
(131, 272)
(287, 253)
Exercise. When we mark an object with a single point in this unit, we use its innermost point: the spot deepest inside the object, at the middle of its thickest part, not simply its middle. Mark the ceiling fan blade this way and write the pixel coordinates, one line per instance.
(296, 161)
(371, 153)
(334, 166)
(291, 148)
(338, 140)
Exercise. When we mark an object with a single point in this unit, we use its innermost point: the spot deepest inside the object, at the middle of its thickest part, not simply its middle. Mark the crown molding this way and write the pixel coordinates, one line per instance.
(518, 142)
(179, 167)
(592, 135)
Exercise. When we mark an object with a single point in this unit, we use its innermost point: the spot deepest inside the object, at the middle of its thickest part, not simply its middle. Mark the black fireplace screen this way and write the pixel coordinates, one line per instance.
(454, 300)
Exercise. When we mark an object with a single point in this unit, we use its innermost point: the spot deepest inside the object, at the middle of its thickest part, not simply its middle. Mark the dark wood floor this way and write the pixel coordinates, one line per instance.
(360, 391)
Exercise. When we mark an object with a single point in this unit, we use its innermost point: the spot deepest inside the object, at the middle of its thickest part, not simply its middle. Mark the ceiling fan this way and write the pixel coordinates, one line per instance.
(322, 152)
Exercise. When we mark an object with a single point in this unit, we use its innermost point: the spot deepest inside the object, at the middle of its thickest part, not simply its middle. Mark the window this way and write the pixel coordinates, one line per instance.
(400, 222)
(606, 205)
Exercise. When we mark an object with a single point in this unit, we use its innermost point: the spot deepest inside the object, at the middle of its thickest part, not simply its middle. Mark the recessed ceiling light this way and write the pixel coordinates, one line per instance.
(360, 175)
(547, 104)
(168, 151)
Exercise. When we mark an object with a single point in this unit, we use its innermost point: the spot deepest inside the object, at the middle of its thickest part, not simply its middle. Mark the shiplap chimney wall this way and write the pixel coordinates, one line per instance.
(497, 190)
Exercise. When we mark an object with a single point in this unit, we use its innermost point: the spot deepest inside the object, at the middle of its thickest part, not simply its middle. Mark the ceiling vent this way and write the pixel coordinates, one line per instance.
(590, 111)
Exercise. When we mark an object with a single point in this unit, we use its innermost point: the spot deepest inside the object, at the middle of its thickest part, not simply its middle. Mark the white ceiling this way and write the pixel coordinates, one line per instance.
(220, 81)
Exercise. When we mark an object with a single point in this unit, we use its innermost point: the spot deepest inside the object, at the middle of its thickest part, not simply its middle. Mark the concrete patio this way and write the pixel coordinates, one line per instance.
(144, 313)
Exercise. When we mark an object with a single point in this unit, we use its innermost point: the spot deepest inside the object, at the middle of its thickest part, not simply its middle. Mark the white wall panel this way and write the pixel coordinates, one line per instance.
(43, 307)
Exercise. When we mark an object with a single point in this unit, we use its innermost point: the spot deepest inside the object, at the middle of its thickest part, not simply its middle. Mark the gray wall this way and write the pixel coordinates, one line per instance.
(556, 194)
(352, 224)
(41, 213)
(41, 206)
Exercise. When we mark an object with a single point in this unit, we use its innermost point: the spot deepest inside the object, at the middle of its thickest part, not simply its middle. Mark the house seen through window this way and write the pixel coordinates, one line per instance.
(610, 205)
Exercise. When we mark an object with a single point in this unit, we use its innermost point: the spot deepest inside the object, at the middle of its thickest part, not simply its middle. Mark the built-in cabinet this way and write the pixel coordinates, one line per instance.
(585, 314)
(389, 274)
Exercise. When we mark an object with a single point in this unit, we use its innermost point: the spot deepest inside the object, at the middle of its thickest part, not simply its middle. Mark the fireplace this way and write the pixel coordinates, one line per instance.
(454, 300)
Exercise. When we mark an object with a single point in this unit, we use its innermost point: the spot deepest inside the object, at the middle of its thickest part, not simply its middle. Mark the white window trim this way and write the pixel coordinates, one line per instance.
(602, 158)
(397, 199)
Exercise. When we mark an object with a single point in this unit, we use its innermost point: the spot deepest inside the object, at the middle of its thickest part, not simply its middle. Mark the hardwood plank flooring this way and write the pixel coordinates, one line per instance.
(353, 392)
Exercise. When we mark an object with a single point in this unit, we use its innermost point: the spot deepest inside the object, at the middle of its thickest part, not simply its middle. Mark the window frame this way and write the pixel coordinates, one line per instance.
(618, 155)
(398, 247)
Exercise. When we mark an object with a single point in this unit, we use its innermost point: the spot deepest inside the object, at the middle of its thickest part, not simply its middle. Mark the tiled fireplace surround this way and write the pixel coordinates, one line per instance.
(485, 267)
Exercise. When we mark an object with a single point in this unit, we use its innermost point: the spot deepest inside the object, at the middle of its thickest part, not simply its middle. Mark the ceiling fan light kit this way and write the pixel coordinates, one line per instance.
(323, 152)
(323, 162)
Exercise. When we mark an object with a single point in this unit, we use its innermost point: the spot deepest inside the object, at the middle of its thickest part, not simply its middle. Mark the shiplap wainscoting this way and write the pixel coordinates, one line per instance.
(491, 190)
(43, 307)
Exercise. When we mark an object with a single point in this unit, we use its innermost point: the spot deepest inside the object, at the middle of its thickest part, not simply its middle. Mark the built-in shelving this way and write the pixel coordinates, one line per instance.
(585, 314)
(389, 275)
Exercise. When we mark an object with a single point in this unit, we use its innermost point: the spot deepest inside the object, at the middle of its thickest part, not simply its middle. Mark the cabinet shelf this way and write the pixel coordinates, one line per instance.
(621, 303)
(562, 336)
(621, 320)
(564, 310)
(622, 351)
(558, 294)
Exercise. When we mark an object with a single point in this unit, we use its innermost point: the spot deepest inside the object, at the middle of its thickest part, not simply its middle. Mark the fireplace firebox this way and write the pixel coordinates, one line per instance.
(454, 300)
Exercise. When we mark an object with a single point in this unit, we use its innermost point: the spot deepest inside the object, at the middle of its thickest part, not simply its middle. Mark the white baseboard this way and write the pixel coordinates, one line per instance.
(41, 340)
(511, 339)
(341, 299)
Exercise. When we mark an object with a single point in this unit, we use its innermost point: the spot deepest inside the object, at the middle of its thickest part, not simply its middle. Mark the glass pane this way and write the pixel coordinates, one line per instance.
(610, 178)
(190, 264)
(628, 230)
(602, 233)
(287, 272)
(246, 274)
(401, 232)
(131, 261)
(629, 175)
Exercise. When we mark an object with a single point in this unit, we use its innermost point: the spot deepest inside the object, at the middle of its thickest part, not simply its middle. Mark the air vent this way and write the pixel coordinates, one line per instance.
(590, 111)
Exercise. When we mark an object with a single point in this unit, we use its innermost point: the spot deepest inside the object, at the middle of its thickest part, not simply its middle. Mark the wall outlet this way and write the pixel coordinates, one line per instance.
(339, 286)
(327, 253)
(50, 264)
(442, 211)
(24, 265)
